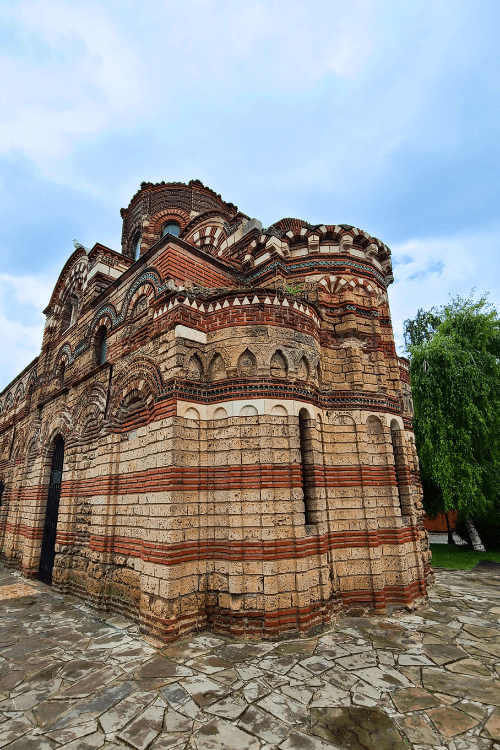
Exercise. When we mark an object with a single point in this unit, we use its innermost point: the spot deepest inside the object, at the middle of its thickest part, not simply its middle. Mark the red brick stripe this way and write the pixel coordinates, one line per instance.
(203, 478)
(219, 549)
(224, 549)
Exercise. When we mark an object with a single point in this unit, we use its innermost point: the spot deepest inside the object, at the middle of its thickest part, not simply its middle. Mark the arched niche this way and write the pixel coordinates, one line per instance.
(303, 369)
(220, 413)
(248, 410)
(279, 365)
(194, 369)
(217, 369)
(247, 364)
(279, 411)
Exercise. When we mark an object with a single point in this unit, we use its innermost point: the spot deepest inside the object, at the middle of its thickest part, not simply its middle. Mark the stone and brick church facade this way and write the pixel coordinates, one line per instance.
(217, 431)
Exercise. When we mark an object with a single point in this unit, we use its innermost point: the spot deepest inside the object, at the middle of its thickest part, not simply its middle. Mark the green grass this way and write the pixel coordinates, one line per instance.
(457, 557)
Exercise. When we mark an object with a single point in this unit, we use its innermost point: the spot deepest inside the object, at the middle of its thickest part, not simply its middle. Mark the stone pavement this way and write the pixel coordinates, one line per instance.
(432, 680)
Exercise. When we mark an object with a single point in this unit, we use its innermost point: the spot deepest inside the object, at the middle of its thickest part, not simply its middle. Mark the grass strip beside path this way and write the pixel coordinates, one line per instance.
(459, 557)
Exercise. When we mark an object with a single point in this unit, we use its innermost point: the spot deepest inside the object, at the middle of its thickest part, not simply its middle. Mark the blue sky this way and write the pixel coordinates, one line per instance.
(378, 113)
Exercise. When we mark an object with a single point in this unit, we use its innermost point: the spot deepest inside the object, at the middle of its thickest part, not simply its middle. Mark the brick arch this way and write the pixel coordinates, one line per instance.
(18, 445)
(135, 230)
(93, 404)
(32, 446)
(19, 394)
(72, 277)
(146, 289)
(142, 380)
(106, 316)
(149, 277)
(64, 355)
(337, 284)
(158, 220)
(32, 382)
(60, 424)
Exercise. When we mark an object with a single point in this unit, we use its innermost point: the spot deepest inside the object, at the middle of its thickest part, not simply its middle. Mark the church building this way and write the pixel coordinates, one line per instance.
(217, 432)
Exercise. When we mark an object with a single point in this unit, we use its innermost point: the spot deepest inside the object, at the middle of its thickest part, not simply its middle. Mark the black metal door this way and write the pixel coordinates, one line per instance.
(50, 526)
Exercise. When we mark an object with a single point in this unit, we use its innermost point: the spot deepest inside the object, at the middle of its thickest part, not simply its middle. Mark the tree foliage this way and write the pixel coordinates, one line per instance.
(455, 377)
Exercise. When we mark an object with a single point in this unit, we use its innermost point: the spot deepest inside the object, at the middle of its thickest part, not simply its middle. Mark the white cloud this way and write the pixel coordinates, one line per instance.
(71, 76)
(21, 322)
(428, 271)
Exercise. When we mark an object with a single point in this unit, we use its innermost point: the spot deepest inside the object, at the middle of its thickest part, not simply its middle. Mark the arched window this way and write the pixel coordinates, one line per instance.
(69, 313)
(137, 247)
(306, 459)
(171, 227)
(102, 345)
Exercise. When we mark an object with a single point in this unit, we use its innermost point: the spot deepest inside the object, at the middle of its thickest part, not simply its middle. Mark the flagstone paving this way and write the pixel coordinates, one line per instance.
(428, 680)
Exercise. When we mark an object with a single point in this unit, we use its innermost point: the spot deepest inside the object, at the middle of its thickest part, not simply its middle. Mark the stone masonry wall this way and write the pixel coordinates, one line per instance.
(243, 460)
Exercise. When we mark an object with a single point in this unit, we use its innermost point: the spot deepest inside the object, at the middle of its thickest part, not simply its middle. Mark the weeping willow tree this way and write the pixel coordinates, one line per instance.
(455, 377)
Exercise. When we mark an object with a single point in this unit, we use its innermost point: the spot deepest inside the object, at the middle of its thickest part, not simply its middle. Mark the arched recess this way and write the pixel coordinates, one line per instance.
(194, 368)
(248, 410)
(376, 446)
(9, 402)
(279, 411)
(220, 413)
(30, 387)
(69, 312)
(143, 290)
(303, 369)
(247, 364)
(32, 450)
(279, 365)
(307, 465)
(217, 368)
(134, 395)
(140, 306)
(47, 552)
(89, 417)
(402, 479)
(106, 316)
(62, 309)
(63, 358)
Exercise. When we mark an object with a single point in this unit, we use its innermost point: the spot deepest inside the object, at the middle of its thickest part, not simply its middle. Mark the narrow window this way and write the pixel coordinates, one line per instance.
(102, 345)
(2, 489)
(306, 459)
(74, 311)
(137, 248)
(399, 464)
(62, 373)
